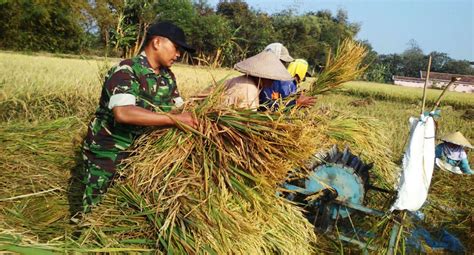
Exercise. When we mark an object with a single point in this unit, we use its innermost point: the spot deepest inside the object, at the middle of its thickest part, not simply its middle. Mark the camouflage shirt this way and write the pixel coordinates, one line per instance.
(136, 79)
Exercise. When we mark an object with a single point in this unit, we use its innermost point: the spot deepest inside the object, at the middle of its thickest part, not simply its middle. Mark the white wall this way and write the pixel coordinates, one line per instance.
(415, 84)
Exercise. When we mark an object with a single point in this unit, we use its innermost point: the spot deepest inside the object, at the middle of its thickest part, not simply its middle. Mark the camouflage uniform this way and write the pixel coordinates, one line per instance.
(107, 141)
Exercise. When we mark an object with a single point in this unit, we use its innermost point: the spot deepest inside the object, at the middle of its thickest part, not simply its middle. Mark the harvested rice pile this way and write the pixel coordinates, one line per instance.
(208, 191)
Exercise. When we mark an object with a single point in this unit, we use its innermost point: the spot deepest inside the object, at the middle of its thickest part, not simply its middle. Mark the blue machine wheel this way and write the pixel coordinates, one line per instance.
(343, 177)
(348, 185)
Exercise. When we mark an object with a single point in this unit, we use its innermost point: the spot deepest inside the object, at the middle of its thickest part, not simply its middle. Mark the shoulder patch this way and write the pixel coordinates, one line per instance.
(124, 67)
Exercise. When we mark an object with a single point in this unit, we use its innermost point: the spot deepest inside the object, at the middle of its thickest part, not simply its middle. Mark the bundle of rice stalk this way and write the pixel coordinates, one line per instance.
(344, 66)
(216, 189)
(450, 204)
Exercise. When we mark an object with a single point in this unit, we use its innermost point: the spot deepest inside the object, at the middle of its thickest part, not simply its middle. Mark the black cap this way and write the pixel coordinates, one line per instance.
(172, 32)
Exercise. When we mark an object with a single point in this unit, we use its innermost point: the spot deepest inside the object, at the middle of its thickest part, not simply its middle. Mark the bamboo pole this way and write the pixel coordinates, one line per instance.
(453, 80)
(426, 85)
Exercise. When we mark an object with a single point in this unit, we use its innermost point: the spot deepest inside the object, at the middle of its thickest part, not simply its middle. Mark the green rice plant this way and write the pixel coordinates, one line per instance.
(41, 152)
(36, 162)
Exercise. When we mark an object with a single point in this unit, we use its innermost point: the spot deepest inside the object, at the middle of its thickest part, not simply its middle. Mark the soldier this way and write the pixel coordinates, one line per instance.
(137, 93)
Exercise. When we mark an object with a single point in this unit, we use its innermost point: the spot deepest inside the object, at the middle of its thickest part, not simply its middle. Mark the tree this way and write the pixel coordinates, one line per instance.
(413, 60)
(458, 67)
(438, 61)
(203, 8)
(253, 29)
(213, 39)
(54, 26)
(106, 14)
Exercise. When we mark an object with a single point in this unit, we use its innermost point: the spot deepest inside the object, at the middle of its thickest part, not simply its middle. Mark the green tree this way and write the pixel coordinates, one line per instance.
(213, 40)
(378, 72)
(55, 26)
(438, 61)
(311, 35)
(458, 67)
(251, 28)
(413, 60)
(106, 14)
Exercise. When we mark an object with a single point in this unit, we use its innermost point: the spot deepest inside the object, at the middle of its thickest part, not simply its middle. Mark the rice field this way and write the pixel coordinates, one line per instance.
(407, 95)
(45, 103)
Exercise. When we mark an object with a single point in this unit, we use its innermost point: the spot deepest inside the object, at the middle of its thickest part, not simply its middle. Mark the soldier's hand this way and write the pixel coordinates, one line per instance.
(305, 101)
(188, 119)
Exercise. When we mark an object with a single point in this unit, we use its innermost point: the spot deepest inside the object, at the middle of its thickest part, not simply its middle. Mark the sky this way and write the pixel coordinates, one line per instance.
(436, 25)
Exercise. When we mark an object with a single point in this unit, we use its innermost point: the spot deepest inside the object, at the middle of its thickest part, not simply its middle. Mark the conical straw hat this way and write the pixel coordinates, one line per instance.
(457, 138)
(264, 65)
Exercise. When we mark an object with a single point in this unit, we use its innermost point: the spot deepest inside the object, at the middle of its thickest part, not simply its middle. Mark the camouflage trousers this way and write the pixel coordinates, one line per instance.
(99, 174)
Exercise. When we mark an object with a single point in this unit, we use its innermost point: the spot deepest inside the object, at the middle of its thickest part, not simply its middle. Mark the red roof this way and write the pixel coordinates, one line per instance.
(465, 79)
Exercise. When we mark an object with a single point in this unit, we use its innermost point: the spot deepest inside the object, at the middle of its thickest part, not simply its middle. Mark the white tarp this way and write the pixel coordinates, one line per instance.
(418, 163)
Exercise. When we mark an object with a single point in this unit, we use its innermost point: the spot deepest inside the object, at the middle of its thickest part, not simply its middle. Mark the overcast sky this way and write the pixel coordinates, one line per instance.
(437, 25)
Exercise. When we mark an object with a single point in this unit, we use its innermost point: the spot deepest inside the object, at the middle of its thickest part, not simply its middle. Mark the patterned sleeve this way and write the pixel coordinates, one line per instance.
(122, 86)
(175, 96)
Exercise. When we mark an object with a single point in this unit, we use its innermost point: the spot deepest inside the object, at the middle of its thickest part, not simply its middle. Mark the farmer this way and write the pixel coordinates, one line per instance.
(271, 96)
(259, 72)
(299, 70)
(450, 154)
(137, 93)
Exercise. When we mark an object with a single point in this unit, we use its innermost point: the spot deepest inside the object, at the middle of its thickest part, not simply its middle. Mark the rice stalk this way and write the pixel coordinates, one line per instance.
(346, 65)
(230, 166)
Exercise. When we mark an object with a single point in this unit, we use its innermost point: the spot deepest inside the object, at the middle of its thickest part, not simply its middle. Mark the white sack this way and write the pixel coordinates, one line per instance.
(418, 163)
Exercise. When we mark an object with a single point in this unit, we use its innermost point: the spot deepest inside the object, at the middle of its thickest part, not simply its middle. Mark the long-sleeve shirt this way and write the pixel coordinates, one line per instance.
(454, 156)
(270, 97)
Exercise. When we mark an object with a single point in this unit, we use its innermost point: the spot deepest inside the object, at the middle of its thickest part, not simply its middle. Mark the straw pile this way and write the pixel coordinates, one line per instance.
(216, 190)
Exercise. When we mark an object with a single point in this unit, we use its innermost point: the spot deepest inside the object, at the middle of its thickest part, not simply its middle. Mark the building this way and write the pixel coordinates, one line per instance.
(437, 81)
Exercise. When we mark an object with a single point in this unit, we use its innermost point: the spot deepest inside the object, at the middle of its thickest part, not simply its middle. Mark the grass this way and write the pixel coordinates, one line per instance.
(45, 103)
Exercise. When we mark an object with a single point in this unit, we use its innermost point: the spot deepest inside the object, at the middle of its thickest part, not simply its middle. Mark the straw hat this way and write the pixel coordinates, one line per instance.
(264, 65)
(458, 139)
(280, 51)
